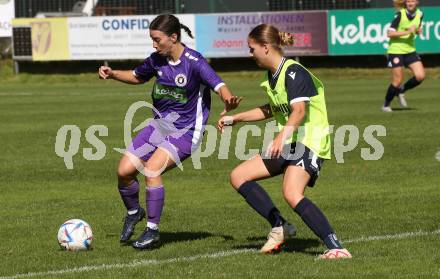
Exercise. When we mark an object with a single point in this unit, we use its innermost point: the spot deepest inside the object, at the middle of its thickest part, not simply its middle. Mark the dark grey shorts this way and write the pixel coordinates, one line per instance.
(402, 60)
(296, 154)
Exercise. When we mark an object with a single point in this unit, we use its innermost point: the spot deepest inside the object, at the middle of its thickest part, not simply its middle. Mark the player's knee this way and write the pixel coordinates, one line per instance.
(124, 180)
(122, 174)
(236, 178)
(292, 198)
(397, 83)
(420, 77)
(152, 170)
(125, 177)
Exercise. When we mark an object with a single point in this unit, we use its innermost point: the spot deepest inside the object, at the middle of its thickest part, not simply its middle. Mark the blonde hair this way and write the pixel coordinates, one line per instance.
(269, 34)
(287, 39)
(399, 4)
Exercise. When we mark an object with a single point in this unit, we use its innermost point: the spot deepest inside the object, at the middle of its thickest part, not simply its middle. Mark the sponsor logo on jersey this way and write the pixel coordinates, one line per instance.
(169, 92)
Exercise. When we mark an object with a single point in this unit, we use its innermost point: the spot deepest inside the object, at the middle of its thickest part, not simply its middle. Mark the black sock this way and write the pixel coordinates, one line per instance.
(259, 200)
(316, 221)
(410, 84)
(392, 91)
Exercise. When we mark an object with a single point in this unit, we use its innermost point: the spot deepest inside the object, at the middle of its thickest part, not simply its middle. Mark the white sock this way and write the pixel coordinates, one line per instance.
(152, 226)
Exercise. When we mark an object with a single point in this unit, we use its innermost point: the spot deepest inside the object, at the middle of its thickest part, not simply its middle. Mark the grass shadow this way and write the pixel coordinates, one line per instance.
(291, 245)
(172, 237)
(403, 109)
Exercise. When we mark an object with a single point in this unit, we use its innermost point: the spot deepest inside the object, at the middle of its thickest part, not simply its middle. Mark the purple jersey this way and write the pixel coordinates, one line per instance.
(181, 87)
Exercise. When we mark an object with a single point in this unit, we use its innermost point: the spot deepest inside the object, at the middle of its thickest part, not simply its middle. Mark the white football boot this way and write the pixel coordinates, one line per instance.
(335, 254)
(276, 238)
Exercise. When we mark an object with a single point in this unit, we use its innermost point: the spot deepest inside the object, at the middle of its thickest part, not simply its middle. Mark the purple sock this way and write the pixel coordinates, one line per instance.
(130, 195)
(155, 200)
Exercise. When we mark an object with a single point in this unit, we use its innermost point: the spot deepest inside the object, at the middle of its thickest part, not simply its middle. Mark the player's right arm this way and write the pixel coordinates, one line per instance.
(411, 30)
(123, 76)
(255, 114)
(392, 31)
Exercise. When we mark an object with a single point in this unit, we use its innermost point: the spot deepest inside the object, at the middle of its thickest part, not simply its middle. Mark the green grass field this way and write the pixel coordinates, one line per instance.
(387, 211)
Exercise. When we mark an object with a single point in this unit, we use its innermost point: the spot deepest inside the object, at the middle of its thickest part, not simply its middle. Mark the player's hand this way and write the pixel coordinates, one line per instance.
(225, 121)
(232, 103)
(275, 148)
(412, 29)
(105, 72)
(419, 31)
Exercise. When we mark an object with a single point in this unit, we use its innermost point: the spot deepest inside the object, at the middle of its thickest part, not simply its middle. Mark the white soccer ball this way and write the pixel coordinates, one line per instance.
(75, 235)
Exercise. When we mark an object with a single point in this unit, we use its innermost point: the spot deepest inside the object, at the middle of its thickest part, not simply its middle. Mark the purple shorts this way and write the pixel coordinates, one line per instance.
(151, 138)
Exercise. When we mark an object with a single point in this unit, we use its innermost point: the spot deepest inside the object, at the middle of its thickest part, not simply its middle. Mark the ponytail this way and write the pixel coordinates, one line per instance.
(286, 39)
(169, 24)
(187, 30)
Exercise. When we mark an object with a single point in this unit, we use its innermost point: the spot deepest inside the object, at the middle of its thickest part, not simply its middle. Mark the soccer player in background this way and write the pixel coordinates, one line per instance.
(402, 51)
(296, 101)
(182, 101)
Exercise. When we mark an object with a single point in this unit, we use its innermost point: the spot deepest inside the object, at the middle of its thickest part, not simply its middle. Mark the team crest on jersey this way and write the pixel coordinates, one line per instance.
(180, 80)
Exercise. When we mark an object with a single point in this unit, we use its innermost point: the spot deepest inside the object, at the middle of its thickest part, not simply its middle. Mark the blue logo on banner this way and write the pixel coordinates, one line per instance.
(125, 24)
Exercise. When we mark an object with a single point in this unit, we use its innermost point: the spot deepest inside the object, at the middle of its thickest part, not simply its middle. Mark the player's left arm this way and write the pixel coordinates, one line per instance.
(419, 29)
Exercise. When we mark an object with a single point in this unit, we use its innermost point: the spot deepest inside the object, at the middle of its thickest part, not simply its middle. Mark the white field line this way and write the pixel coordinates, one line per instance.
(15, 94)
(222, 254)
(135, 263)
(391, 236)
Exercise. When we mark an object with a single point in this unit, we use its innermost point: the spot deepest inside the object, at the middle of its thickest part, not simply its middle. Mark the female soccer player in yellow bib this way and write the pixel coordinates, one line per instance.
(296, 101)
(402, 51)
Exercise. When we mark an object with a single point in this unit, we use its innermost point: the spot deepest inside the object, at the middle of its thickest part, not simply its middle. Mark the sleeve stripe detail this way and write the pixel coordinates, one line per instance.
(299, 99)
(217, 87)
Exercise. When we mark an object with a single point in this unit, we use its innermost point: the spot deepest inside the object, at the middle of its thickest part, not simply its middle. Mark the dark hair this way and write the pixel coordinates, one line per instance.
(269, 34)
(169, 24)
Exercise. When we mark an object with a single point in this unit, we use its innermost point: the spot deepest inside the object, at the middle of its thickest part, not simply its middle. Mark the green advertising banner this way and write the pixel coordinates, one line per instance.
(363, 32)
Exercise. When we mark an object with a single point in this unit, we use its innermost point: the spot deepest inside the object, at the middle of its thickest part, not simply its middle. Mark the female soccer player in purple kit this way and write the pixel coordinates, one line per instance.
(181, 98)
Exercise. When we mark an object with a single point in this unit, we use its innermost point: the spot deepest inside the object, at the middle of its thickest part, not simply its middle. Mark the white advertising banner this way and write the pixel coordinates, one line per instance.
(7, 13)
(116, 37)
